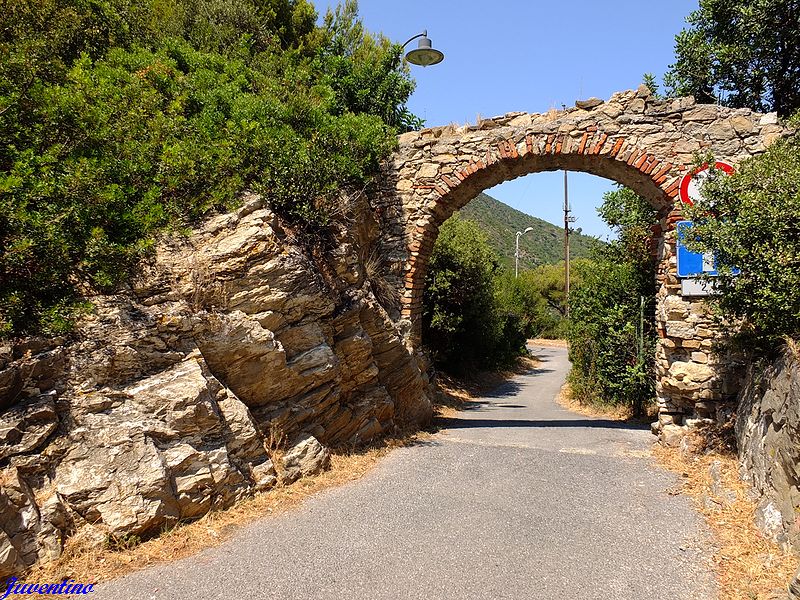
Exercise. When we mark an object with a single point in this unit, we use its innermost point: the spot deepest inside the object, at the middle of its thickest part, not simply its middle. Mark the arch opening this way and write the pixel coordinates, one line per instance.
(457, 198)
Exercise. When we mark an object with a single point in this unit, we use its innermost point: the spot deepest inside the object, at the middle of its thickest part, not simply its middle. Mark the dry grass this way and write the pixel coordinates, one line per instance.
(547, 343)
(794, 347)
(83, 560)
(749, 566)
(611, 412)
(456, 394)
(376, 269)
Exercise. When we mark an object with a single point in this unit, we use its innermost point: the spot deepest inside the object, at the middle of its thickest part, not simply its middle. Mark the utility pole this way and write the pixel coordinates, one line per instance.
(567, 220)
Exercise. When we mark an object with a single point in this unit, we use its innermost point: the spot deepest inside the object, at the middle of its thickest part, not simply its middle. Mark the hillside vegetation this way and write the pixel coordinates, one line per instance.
(476, 313)
(542, 246)
(119, 120)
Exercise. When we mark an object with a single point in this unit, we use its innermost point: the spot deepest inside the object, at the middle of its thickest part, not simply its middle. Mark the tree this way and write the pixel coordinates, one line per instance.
(751, 221)
(120, 119)
(538, 297)
(366, 72)
(465, 324)
(742, 53)
(633, 218)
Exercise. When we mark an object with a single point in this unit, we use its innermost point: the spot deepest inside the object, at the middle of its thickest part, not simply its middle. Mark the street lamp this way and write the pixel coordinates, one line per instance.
(424, 55)
(516, 252)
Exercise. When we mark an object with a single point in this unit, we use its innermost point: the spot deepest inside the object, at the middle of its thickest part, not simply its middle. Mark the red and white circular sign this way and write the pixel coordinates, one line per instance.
(693, 181)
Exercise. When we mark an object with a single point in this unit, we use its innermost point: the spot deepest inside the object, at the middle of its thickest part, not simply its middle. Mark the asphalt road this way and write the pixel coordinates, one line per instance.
(515, 498)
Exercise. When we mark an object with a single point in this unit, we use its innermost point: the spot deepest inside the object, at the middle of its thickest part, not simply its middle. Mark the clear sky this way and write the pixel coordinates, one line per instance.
(531, 56)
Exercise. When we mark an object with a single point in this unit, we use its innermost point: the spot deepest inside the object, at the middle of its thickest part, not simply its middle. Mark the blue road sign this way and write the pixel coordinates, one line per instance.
(692, 264)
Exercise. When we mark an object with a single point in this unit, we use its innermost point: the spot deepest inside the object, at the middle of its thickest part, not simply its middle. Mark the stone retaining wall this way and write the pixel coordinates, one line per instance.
(768, 436)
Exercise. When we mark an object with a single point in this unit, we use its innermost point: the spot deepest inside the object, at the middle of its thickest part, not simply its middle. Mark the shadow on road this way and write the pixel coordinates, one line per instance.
(504, 390)
(512, 387)
(453, 423)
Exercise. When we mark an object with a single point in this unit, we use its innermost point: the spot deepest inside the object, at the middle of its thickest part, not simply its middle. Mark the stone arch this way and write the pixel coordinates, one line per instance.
(635, 139)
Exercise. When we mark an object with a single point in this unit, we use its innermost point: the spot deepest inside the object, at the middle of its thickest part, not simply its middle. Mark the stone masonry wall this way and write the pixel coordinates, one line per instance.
(768, 436)
(635, 139)
(170, 399)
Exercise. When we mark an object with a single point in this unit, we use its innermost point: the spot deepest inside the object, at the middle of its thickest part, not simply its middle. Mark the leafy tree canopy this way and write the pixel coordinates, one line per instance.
(119, 119)
(465, 323)
(611, 329)
(742, 53)
(632, 218)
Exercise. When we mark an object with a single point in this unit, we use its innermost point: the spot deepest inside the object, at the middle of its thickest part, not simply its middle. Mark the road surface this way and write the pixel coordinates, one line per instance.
(516, 498)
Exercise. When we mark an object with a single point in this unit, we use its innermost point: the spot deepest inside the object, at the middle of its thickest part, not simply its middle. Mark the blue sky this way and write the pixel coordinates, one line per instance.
(531, 56)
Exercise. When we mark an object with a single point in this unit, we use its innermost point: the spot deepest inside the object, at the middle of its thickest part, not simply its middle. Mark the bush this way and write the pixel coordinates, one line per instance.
(119, 121)
(465, 323)
(537, 296)
(611, 330)
(611, 336)
(751, 220)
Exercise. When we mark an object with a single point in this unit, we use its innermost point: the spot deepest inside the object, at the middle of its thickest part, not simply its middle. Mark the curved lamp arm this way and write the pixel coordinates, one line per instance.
(419, 35)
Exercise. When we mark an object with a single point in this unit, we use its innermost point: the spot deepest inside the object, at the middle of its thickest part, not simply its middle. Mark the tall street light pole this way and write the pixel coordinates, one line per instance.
(516, 252)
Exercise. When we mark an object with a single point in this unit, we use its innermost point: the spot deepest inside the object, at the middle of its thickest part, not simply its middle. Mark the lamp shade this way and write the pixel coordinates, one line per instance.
(424, 55)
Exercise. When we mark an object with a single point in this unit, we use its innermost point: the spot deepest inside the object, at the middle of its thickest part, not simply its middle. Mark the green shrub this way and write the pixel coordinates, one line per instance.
(120, 120)
(523, 297)
(537, 296)
(465, 323)
(751, 220)
(611, 336)
(611, 329)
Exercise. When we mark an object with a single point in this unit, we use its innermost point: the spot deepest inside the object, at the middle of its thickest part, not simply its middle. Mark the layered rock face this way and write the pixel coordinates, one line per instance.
(768, 435)
(171, 398)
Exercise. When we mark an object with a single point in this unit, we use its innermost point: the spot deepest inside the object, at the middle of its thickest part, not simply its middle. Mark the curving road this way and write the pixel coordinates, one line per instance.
(516, 498)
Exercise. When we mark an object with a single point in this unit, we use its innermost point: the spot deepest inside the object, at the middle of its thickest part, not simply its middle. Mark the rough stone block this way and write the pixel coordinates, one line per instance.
(305, 457)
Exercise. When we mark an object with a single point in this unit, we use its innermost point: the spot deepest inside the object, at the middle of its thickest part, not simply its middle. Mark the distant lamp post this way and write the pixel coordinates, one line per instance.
(423, 55)
(516, 252)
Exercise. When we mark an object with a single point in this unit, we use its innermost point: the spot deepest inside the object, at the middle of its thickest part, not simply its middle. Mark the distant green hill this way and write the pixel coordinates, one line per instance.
(543, 245)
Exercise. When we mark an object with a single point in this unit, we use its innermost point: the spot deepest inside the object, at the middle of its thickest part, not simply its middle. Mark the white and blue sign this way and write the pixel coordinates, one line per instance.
(690, 263)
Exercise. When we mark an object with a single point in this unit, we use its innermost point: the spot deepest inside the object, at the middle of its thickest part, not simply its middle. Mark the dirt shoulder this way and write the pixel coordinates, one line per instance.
(459, 393)
(548, 343)
(84, 559)
(749, 566)
(611, 412)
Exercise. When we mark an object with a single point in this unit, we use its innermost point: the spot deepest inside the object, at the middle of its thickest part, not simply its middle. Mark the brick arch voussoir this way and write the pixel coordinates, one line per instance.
(594, 151)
